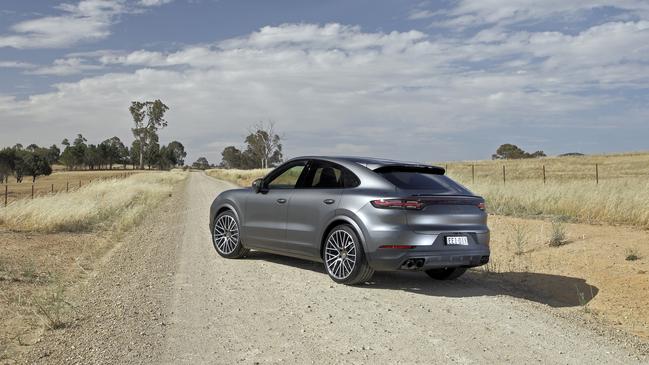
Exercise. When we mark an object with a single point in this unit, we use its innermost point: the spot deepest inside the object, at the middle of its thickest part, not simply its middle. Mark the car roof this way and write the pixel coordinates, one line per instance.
(369, 162)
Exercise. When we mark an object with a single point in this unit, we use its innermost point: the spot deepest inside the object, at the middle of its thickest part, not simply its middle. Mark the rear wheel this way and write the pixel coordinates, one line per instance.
(226, 238)
(344, 257)
(447, 273)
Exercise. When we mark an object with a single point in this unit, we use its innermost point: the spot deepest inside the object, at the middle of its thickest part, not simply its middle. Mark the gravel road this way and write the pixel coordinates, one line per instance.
(165, 296)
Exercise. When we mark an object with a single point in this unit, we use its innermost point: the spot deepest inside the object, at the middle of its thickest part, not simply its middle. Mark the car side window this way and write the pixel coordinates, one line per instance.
(325, 175)
(288, 178)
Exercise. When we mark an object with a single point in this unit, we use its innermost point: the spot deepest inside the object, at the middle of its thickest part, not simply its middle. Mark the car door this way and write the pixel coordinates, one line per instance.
(312, 205)
(265, 214)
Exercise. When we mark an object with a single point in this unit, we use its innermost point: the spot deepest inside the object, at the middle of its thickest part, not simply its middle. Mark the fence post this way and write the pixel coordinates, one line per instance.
(32, 191)
(544, 174)
(79, 183)
(67, 186)
(504, 175)
(473, 174)
(52, 188)
(597, 174)
(6, 193)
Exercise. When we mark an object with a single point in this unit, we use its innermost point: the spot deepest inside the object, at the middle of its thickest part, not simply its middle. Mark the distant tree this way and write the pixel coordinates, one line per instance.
(78, 151)
(32, 147)
(18, 146)
(201, 163)
(35, 165)
(111, 151)
(65, 142)
(53, 154)
(264, 145)
(92, 157)
(512, 152)
(176, 153)
(148, 117)
(7, 163)
(67, 158)
(231, 158)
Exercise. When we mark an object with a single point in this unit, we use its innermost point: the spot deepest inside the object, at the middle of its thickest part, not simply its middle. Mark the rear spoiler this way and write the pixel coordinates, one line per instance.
(426, 169)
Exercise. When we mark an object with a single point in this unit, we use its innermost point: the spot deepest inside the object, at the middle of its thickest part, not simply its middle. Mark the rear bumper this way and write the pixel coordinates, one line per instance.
(430, 251)
(424, 260)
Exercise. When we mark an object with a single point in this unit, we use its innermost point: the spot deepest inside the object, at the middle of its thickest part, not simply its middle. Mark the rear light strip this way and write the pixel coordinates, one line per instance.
(420, 203)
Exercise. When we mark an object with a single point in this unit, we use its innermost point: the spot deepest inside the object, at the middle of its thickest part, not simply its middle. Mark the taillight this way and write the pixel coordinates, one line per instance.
(482, 206)
(397, 204)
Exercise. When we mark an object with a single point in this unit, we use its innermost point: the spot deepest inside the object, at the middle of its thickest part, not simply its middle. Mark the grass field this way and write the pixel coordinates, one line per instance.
(570, 191)
(59, 181)
(112, 203)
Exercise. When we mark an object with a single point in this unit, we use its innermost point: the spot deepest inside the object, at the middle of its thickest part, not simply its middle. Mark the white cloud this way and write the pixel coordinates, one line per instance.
(154, 2)
(468, 13)
(85, 21)
(337, 89)
(16, 64)
(65, 67)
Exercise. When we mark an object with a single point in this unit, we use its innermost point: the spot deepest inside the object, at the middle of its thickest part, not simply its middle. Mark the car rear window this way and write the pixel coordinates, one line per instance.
(426, 181)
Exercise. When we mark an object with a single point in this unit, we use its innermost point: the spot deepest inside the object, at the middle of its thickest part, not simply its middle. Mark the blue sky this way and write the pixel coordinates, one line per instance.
(417, 80)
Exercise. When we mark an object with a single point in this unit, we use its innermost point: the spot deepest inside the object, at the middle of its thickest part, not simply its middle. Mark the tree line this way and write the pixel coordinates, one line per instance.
(263, 149)
(146, 150)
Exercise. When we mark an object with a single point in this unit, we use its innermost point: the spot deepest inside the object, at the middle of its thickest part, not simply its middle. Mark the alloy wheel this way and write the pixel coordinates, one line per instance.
(340, 254)
(226, 234)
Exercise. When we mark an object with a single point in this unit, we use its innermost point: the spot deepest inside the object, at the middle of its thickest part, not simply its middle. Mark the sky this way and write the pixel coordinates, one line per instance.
(415, 80)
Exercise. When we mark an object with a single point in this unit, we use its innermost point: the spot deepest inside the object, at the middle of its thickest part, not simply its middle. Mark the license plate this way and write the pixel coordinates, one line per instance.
(457, 241)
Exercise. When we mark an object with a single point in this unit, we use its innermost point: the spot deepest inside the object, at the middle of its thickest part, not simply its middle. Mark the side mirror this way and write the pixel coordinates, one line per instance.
(257, 185)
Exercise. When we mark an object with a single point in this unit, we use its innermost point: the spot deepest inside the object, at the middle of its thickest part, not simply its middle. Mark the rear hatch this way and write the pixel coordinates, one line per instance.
(438, 204)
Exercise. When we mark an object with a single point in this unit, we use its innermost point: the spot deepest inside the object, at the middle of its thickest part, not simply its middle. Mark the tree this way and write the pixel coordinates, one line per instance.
(176, 153)
(53, 154)
(509, 151)
(79, 150)
(35, 165)
(201, 163)
(92, 157)
(111, 151)
(264, 145)
(7, 163)
(148, 117)
(231, 158)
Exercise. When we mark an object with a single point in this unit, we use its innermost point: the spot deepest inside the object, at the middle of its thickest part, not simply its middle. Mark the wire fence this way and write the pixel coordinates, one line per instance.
(505, 173)
(12, 192)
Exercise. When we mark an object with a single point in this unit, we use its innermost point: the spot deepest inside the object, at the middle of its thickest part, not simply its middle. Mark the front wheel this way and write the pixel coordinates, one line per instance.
(225, 236)
(447, 273)
(344, 257)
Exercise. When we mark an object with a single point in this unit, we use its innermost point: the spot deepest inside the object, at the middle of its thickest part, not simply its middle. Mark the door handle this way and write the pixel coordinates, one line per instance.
(328, 201)
(281, 200)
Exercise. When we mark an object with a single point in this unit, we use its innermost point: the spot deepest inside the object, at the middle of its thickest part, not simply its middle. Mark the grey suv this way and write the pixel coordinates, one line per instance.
(356, 215)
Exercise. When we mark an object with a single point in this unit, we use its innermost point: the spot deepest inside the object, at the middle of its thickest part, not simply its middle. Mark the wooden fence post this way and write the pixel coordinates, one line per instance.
(543, 174)
(473, 174)
(6, 193)
(67, 186)
(504, 175)
(32, 191)
(52, 188)
(79, 183)
(596, 174)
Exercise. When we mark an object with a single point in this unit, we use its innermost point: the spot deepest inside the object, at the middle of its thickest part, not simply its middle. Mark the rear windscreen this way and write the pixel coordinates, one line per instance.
(431, 183)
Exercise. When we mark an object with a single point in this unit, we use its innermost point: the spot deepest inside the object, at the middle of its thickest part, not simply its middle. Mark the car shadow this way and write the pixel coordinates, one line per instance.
(553, 290)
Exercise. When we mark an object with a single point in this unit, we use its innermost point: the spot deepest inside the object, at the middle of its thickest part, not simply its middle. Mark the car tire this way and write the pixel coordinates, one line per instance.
(226, 236)
(447, 273)
(344, 258)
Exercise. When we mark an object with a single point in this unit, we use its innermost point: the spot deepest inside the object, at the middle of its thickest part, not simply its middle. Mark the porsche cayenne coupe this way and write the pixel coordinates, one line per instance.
(356, 215)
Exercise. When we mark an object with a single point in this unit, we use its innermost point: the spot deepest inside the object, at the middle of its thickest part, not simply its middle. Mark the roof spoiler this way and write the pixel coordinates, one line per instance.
(426, 169)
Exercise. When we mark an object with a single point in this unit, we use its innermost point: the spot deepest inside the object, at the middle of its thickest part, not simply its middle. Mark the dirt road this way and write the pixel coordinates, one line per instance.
(165, 296)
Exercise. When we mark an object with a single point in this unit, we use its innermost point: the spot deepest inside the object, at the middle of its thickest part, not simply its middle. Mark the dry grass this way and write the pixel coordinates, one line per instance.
(570, 191)
(59, 181)
(115, 204)
(239, 177)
